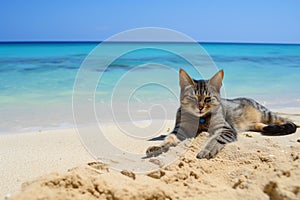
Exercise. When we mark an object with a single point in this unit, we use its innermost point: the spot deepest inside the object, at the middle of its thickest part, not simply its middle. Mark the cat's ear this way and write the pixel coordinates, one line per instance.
(217, 79)
(184, 79)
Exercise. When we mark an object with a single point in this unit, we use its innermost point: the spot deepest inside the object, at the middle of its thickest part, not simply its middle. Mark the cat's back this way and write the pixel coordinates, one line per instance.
(241, 103)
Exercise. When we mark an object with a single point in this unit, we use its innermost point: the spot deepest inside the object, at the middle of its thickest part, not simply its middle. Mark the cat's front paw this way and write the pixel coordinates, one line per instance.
(205, 154)
(155, 150)
(210, 150)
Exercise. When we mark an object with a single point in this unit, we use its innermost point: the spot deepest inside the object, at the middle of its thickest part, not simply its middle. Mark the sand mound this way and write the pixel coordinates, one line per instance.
(255, 167)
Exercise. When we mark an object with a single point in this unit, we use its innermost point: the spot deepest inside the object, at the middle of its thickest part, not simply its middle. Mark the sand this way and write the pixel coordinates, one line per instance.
(27, 156)
(54, 165)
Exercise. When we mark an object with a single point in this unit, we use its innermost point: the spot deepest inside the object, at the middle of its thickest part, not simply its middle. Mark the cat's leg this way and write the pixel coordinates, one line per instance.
(222, 133)
(186, 126)
(258, 127)
(214, 145)
(170, 141)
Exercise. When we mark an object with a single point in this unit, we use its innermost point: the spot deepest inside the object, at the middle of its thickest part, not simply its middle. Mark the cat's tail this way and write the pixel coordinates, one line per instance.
(276, 125)
(283, 129)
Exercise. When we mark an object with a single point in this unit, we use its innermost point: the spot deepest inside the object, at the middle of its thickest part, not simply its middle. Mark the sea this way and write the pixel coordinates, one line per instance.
(52, 85)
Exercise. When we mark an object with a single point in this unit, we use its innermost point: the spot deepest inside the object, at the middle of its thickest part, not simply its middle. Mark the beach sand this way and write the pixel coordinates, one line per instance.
(54, 165)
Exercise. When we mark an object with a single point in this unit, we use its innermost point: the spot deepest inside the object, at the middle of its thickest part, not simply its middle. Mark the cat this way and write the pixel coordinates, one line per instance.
(202, 109)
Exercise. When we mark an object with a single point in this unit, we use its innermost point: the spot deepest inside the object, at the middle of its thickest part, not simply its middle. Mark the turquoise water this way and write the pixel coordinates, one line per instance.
(37, 79)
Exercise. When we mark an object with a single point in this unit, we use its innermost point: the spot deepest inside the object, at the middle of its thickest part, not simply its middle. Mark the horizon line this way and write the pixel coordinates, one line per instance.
(95, 41)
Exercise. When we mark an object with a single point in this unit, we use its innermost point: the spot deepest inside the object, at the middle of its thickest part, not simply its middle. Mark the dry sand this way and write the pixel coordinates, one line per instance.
(27, 156)
(255, 167)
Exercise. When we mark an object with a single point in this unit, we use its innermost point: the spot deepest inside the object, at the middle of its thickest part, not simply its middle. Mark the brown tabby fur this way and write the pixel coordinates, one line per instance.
(202, 109)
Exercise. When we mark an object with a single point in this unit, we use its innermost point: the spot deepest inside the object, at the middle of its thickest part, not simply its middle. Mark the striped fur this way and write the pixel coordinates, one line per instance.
(202, 109)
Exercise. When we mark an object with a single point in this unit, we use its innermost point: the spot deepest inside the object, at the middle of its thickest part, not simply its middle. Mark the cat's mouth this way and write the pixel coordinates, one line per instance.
(203, 112)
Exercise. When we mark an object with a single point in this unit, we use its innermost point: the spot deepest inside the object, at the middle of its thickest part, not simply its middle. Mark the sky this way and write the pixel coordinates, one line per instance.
(254, 21)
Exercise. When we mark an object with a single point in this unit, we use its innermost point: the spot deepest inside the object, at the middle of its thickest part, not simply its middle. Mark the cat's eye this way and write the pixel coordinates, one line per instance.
(191, 98)
(207, 99)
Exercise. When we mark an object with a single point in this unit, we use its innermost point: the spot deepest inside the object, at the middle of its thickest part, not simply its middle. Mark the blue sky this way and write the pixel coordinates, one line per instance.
(268, 21)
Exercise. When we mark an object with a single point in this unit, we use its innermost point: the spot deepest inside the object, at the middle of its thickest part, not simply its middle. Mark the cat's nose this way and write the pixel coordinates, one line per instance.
(201, 106)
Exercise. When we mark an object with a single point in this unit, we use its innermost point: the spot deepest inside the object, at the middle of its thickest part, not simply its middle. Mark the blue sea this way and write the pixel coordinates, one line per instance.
(42, 83)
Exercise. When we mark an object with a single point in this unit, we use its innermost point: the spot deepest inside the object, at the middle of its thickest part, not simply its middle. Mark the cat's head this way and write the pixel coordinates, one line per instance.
(200, 97)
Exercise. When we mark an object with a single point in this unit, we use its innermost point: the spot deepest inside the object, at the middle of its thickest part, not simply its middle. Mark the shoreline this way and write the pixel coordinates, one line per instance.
(284, 111)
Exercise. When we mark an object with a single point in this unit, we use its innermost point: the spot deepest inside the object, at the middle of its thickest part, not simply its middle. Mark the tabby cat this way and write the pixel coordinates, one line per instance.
(202, 109)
